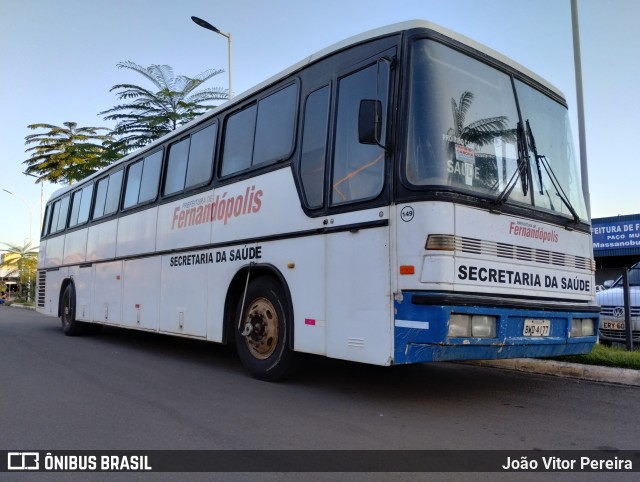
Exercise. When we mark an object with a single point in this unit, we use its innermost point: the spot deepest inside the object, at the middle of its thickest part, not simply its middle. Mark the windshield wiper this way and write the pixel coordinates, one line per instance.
(521, 172)
(541, 160)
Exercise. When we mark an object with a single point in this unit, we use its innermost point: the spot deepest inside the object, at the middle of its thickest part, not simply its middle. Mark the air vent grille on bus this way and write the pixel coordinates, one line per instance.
(509, 251)
(42, 286)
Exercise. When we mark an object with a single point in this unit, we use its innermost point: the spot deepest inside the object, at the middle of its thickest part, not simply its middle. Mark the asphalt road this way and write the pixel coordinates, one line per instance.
(127, 390)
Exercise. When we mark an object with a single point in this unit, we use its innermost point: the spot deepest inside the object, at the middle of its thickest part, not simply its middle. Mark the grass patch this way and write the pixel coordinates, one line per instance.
(609, 356)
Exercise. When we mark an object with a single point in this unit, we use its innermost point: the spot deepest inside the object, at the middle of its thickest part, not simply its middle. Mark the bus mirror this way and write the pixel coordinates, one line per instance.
(370, 122)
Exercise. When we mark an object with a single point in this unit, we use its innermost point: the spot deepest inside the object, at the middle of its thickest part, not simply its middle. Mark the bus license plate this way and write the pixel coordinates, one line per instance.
(613, 325)
(537, 327)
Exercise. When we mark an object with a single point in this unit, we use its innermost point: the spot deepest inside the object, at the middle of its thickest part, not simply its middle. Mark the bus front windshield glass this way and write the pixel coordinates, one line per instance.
(465, 134)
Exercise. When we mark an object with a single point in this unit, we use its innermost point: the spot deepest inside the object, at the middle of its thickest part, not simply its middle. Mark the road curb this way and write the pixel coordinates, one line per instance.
(622, 376)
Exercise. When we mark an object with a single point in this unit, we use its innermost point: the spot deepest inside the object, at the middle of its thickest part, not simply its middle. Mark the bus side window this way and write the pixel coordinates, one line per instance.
(358, 169)
(54, 217)
(62, 211)
(107, 195)
(275, 126)
(176, 166)
(238, 141)
(45, 224)
(150, 177)
(314, 146)
(261, 134)
(80, 203)
(200, 166)
(142, 180)
(101, 196)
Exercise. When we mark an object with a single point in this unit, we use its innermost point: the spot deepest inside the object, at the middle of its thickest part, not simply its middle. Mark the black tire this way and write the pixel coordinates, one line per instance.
(264, 350)
(70, 326)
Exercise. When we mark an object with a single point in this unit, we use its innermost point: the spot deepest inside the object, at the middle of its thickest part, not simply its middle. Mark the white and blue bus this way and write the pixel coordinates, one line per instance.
(404, 196)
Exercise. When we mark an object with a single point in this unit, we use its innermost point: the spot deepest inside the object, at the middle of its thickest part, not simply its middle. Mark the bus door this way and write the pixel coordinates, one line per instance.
(357, 245)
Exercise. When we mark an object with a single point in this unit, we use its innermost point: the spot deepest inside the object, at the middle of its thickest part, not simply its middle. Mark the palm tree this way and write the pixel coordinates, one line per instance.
(66, 154)
(480, 132)
(21, 262)
(152, 114)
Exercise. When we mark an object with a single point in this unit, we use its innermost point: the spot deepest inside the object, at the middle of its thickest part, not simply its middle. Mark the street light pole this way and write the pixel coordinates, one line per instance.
(25, 203)
(208, 26)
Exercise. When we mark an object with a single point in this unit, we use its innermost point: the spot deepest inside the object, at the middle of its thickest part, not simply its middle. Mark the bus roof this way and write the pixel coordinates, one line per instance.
(362, 37)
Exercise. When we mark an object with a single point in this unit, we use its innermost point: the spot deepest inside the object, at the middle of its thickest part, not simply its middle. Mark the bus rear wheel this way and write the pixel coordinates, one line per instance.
(262, 333)
(70, 326)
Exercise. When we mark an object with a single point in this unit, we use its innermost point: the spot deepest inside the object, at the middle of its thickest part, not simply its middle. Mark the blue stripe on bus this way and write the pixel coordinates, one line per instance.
(420, 334)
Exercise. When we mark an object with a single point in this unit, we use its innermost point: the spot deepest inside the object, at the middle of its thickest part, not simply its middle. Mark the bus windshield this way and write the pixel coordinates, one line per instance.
(465, 134)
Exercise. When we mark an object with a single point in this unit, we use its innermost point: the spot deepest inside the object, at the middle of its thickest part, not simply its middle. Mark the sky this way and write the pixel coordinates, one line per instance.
(58, 61)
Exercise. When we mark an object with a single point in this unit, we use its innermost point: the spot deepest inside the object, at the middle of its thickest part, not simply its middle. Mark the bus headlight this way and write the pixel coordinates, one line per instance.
(459, 326)
(483, 326)
(582, 327)
(476, 326)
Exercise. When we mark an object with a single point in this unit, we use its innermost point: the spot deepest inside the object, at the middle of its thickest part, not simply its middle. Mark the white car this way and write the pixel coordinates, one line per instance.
(612, 314)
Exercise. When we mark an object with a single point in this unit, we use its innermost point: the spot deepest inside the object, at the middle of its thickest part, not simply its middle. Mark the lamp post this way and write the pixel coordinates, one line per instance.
(208, 26)
(25, 203)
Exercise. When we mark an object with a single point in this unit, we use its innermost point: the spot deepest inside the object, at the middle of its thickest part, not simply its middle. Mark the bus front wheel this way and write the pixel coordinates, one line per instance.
(70, 326)
(262, 331)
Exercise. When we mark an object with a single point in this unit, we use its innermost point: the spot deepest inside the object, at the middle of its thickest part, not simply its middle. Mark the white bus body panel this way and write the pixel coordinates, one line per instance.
(505, 254)
(359, 301)
(107, 293)
(174, 233)
(183, 300)
(75, 247)
(42, 257)
(101, 240)
(52, 291)
(141, 285)
(55, 252)
(137, 233)
(83, 282)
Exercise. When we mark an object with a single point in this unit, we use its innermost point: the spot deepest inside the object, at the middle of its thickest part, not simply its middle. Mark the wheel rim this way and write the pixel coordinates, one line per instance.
(263, 336)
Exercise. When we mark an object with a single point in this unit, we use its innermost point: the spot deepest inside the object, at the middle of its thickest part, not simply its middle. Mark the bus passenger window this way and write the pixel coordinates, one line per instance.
(150, 177)
(132, 188)
(80, 203)
(101, 196)
(63, 210)
(176, 167)
(200, 164)
(275, 126)
(45, 224)
(142, 180)
(113, 193)
(107, 195)
(238, 141)
(314, 146)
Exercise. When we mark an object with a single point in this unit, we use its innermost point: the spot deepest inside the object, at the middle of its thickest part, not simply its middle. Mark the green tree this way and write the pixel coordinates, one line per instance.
(149, 114)
(21, 261)
(67, 154)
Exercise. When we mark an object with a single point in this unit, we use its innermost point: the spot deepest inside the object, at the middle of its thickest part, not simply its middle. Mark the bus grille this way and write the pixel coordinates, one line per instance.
(512, 251)
(42, 285)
